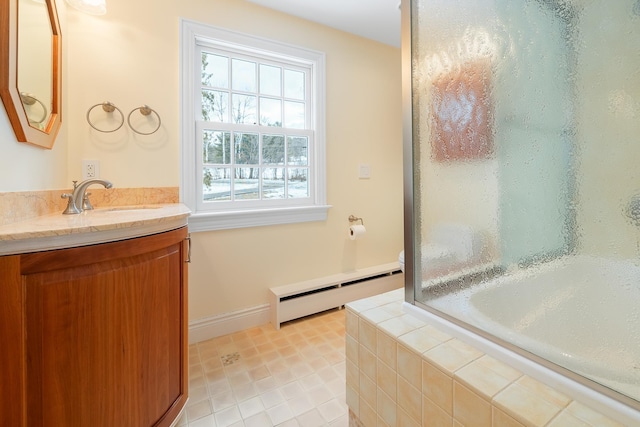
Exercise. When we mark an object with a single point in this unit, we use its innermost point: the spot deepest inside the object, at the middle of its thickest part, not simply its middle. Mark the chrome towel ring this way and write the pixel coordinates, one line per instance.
(145, 110)
(108, 108)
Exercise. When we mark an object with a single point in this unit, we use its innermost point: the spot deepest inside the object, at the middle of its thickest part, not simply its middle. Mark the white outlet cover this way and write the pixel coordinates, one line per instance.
(87, 166)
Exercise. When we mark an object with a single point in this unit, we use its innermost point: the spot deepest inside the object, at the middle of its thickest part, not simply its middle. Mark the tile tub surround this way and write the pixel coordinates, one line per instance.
(401, 371)
(19, 206)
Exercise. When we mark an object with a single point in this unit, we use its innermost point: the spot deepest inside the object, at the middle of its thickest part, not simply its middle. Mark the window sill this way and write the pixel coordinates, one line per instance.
(210, 221)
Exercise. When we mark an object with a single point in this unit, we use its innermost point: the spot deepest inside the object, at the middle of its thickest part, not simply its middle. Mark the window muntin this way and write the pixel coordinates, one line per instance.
(254, 116)
(281, 191)
(242, 165)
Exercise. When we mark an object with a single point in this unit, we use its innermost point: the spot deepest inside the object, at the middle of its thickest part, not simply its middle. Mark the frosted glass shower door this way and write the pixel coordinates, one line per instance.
(525, 180)
(534, 135)
(495, 133)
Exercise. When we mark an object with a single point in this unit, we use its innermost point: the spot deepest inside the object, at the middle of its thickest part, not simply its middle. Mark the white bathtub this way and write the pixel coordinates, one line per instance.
(581, 313)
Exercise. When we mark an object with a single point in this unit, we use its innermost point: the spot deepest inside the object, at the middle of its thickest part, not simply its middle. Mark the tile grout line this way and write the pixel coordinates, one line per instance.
(296, 354)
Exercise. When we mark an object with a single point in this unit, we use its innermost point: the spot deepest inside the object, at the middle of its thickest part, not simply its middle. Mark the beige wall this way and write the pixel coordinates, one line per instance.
(131, 57)
(27, 168)
(233, 269)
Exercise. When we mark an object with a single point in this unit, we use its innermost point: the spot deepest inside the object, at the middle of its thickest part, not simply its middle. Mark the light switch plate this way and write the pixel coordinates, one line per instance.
(364, 171)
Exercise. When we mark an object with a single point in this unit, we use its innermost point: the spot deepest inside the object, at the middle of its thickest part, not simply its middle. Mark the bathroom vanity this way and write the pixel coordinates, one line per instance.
(95, 334)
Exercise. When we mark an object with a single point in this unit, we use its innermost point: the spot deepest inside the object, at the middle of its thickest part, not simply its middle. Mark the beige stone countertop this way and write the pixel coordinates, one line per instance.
(101, 225)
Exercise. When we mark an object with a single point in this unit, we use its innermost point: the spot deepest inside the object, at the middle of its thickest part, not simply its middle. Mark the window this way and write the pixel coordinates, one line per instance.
(253, 149)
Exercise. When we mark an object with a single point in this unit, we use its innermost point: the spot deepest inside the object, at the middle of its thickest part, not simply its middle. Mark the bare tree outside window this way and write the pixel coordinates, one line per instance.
(261, 164)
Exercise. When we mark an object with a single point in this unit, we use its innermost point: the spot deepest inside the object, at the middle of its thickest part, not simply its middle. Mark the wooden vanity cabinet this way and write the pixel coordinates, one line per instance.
(95, 335)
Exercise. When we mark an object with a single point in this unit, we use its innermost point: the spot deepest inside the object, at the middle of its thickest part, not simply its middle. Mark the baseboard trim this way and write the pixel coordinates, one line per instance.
(228, 323)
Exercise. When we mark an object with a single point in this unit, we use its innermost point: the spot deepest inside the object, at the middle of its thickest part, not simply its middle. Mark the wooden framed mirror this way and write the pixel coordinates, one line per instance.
(30, 69)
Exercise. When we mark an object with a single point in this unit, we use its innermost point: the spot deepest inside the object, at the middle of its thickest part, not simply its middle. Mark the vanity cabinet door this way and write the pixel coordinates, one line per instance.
(106, 340)
(12, 360)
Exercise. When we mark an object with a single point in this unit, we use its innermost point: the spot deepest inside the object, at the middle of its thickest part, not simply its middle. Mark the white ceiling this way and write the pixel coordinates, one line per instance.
(374, 19)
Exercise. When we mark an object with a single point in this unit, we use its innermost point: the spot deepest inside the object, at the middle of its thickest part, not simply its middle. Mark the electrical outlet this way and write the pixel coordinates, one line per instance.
(90, 169)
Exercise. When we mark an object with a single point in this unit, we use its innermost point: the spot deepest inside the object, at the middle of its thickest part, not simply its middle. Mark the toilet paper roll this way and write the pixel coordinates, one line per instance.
(357, 232)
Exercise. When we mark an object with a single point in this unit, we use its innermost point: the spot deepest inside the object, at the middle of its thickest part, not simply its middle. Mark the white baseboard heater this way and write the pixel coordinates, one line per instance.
(301, 299)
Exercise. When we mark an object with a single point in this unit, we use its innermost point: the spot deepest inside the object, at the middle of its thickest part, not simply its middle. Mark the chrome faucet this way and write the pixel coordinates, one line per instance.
(77, 203)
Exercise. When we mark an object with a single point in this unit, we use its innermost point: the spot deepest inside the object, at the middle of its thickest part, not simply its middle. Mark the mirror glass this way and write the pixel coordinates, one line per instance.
(30, 76)
(35, 68)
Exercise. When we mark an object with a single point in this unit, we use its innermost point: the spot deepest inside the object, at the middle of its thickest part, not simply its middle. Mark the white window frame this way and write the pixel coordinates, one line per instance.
(266, 212)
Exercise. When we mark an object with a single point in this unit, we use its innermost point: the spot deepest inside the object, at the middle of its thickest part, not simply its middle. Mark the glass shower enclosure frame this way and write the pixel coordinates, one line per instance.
(521, 124)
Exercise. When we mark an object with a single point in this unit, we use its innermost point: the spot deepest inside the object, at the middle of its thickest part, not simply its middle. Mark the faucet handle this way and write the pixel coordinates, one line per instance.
(71, 208)
(86, 203)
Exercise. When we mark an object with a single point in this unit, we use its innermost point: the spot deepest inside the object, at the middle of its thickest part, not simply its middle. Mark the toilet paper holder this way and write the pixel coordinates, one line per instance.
(353, 218)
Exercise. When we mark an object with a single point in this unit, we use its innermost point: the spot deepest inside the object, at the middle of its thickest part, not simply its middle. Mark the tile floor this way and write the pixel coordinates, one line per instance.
(265, 377)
